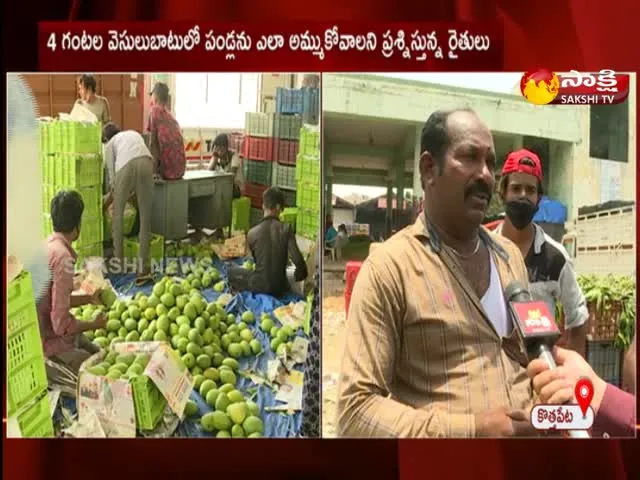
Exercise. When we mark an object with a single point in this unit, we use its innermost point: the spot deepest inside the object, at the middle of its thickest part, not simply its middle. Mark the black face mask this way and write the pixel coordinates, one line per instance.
(521, 212)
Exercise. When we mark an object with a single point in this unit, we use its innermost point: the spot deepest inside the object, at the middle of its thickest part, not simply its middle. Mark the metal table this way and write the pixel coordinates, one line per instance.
(202, 198)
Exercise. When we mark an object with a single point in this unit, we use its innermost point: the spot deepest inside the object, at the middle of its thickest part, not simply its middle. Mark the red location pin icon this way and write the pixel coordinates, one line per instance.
(584, 394)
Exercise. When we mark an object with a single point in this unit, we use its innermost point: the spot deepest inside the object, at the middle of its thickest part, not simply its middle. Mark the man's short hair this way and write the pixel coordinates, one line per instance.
(88, 82)
(66, 211)
(435, 135)
(161, 91)
(109, 131)
(221, 140)
(273, 198)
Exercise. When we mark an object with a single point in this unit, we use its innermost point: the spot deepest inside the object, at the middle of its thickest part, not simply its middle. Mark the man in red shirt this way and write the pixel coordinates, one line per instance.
(61, 333)
(165, 137)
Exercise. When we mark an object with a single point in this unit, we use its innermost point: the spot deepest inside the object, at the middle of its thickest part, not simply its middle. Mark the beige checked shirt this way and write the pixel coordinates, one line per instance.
(421, 357)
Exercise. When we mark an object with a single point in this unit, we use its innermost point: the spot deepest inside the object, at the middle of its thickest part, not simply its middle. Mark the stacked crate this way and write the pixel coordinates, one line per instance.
(258, 158)
(294, 108)
(71, 159)
(27, 399)
(308, 178)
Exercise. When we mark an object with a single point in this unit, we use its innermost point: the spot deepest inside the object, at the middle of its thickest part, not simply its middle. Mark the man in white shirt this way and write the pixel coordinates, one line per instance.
(130, 167)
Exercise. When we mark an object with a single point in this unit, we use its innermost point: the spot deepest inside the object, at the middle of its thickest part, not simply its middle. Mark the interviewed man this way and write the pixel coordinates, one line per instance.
(430, 348)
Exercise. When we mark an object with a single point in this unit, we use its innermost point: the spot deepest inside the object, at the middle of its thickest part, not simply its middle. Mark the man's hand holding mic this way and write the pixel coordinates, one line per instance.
(557, 386)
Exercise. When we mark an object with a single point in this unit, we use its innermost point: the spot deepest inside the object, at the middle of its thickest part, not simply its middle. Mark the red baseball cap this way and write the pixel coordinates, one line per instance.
(513, 163)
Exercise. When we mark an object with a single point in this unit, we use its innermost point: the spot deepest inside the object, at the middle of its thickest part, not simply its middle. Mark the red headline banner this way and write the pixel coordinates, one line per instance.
(193, 46)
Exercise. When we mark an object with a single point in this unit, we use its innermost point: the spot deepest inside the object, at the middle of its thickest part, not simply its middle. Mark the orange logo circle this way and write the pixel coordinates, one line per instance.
(540, 87)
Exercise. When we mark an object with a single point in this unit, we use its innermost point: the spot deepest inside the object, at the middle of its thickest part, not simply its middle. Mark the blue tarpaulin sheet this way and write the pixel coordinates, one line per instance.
(276, 424)
(550, 211)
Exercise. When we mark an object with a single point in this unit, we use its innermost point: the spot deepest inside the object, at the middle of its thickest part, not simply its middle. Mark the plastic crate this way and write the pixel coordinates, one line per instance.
(47, 225)
(26, 374)
(91, 231)
(289, 198)
(47, 141)
(284, 176)
(149, 403)
(240, 214)
(91, 196)
(605, 260)
(603, 325)
(310, 141)
(255, 191)
(289, 216)
(285, 152)
(287, 127)
(308, 223)
(289, 100)
(259, 124)
(73, 170)
(255, 216)
(260, 149)
(88, 251)
(308, 196)
(606, 360)
(35, 421)
(297, 100)
(308, 169)
(78, 137)
(257, 172)
(156, 249)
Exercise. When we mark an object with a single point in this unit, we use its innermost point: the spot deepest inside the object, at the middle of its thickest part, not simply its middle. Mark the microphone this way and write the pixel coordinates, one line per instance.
(537, 329)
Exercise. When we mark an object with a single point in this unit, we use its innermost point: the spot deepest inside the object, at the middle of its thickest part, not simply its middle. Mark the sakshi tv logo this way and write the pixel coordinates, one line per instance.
(545, 87)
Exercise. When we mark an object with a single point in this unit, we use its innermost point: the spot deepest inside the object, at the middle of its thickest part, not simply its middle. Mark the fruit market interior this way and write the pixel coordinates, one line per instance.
(169, 286)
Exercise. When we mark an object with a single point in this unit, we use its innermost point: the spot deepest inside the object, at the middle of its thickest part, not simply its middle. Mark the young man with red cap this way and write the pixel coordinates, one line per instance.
(551, 274)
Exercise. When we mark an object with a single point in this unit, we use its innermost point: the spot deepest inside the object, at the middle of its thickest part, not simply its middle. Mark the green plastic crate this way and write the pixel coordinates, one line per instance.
(75, 170)
(256, 216)
(149, 403)
(258, 124)
(309, 141)
(308, 169)
(95, 250)
(308, 196)
(91, 231)
(289, 216)
(91, 196)
(308, 223)
(284, 176)
(287, 126)
(241, 214)
(257, 172)
(289, 198)
(77, 137)
(156, 249)
(35, 421)
(47, 225)
(26, 374)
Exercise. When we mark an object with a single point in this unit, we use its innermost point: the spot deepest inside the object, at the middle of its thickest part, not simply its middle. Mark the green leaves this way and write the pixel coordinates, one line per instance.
(613, 292)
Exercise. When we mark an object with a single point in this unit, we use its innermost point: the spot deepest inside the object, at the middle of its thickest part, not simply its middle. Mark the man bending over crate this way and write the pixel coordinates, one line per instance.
(271, 243)
(61, 333)
(130, 166)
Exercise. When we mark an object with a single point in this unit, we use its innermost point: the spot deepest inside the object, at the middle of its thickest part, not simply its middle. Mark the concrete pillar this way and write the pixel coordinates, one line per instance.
(399, 181)
(417, 182)
(327, 187)
(389, 215)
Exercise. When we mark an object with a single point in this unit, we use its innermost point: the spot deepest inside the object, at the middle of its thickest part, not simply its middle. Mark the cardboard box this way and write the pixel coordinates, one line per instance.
(112, 400)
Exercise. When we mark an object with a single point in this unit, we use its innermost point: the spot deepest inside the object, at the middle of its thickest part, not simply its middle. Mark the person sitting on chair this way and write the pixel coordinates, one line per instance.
(342, 238)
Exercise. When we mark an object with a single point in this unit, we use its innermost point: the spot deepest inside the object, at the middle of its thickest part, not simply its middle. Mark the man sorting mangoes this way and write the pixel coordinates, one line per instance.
(61, 333)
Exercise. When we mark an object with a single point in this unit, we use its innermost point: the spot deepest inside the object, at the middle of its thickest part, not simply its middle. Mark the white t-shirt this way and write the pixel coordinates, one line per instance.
(236, 162)
(121, 149)
(494, 303)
